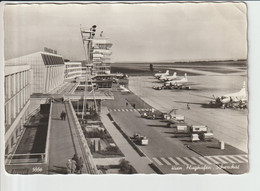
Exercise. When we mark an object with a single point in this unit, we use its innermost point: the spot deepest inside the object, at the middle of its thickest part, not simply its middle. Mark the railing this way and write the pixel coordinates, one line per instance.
(25, 158)
(83, 141)
(48, 136)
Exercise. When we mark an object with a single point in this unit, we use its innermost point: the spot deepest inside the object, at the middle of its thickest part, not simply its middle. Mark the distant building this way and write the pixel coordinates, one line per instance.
(17, 84)
(73, 70)
(100, 55)
(47, 68)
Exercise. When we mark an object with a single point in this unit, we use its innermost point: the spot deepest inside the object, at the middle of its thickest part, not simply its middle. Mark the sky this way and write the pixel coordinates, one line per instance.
(148, 32)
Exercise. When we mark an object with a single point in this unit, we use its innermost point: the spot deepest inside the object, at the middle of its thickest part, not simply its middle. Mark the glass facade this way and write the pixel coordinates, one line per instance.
(17, 85)
(47, 68)
(73, 70)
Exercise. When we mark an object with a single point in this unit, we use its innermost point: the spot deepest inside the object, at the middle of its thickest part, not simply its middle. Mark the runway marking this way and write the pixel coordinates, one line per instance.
(228, 159)
(221, 160)
(174, 161)
(209, 160)
(182, 161)
(203, 159)
(236, 159)
(189, 160)
(165, 161)
(128, 109)
(197, 160)
(157, 161)
(212, 159)
(241, 157)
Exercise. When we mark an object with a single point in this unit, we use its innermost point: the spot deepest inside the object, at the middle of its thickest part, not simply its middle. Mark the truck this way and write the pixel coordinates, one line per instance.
(196, 132)
(139, 139)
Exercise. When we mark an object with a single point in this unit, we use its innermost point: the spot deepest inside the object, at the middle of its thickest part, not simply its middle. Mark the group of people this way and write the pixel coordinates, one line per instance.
(75, 165)
(63, 115)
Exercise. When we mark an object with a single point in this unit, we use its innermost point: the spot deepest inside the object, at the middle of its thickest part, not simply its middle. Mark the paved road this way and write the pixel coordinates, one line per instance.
(139, 163)
(162, 149)
(227, 124)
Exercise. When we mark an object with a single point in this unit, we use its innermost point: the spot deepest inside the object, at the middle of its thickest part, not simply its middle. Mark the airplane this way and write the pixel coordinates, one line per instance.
(168, 78)
(238, 99)
(178, 84)
(124, 89)
(158, 75)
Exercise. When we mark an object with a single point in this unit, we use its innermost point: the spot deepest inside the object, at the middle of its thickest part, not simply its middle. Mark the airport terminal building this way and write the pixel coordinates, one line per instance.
(47, 69)
(72, 70)
(17, 86)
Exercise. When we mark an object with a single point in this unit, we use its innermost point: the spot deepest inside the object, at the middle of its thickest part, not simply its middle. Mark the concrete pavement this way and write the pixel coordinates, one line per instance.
(139, 163)
(63, 142)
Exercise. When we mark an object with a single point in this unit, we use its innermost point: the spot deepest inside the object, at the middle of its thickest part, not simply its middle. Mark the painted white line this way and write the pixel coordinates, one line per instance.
(181, 161)
(228, 159)
(126, 109)
(157, 161)
(212, 159)
(130, 110)
(236, 159)
(165, 161)
(205, 160)
(245, 157)
(115, 109)
(138, 109)
(197, 160)
(118, 110)
(221, 160)
(122, 109)
(174, 161)
(245, 160)
(189, 160)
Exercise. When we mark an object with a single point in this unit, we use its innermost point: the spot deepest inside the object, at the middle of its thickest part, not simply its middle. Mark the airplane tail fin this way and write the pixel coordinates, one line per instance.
(185, 75)
(167, 71)
(174, 74)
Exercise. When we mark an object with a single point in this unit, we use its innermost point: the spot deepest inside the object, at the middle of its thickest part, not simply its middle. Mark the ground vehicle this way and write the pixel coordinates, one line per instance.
(153, 115)
(196, 132)
(139, 139)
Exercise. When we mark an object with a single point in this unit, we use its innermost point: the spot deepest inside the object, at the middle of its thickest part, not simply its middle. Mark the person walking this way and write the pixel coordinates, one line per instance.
(75, 160)
(73, 166)
(79, 165)
(69, 166)
(62, 115)
(188, 106)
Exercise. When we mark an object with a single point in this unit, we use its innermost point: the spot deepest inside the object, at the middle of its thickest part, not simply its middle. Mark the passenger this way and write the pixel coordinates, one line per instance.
(64, 116)
(61, 115)
(73, 166)
(75, 157)
(188, 106)
(69, 166)
(79, 165)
